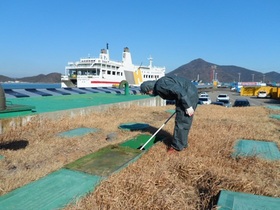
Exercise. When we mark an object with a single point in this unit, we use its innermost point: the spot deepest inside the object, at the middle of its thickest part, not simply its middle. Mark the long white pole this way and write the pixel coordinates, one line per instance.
(157, 131)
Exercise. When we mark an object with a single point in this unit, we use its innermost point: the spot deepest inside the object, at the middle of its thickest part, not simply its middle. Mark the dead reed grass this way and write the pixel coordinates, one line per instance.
(190, 179)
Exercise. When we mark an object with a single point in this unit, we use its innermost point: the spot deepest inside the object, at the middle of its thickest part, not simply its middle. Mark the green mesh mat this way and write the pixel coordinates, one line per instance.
(112, 158)
(78, 132)
(252, 148)
(273, 107)
(54, 191)
(275, 116)
(64, 186)
(242, 201)
(138, 141)
(133, 126)
(105, 161)
(1, 157)
(170, 111)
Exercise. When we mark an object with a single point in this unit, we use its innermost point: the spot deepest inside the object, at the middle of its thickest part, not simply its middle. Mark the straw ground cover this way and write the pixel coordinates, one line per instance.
(190, 179)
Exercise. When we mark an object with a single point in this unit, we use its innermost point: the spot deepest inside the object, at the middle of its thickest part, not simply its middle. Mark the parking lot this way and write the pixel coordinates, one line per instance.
(254, 101)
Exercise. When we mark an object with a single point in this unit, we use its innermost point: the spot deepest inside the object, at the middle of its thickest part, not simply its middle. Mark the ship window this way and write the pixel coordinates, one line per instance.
(103, 65)
(109, 72)
(103, 72)
(93, 72)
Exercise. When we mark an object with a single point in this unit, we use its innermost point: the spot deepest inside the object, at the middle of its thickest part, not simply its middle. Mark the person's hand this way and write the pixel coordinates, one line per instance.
(190, 111)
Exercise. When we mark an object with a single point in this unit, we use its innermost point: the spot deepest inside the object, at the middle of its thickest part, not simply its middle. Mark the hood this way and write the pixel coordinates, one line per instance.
(147, 86)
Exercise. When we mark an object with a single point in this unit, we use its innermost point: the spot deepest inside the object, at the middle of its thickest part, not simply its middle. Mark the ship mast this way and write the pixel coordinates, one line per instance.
(151, 62)
(107, 49)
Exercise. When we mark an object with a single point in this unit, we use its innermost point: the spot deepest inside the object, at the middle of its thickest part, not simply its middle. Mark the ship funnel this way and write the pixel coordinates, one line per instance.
(2, 99)
(126, 59)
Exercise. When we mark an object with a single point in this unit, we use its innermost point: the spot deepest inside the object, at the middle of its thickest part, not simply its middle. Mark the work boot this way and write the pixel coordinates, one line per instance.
(171, 150)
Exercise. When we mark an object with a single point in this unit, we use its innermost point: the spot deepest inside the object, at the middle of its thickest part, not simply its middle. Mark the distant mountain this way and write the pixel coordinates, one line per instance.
(5, 79)
(199, 69)
(41, 78)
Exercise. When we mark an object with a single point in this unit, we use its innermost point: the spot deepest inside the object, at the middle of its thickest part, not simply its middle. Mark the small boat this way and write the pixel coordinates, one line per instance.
(103, 72)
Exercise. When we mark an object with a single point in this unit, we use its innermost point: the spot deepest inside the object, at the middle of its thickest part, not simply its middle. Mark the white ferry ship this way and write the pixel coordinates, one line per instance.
(103, 72)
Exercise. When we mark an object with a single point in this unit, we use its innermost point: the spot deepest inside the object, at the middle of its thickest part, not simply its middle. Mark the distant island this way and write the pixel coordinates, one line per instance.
(41, 78)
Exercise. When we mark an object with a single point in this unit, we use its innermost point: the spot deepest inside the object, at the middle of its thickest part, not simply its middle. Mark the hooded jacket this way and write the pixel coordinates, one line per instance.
(177, 88)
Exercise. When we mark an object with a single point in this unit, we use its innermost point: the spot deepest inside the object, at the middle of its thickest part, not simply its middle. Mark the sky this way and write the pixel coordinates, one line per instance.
(42, 36)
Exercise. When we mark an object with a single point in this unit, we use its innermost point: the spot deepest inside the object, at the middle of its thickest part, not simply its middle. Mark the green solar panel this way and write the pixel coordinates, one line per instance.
(243, 201)
(133, 126)
(260, 149)
(275, 116)
(54, 191)
(78, 132)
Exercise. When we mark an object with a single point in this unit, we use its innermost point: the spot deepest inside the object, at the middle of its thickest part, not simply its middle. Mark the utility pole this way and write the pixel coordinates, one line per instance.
(239, 77)
(213, 72)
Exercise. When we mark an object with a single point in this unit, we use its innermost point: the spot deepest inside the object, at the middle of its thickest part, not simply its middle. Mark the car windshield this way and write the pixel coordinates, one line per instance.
(224, 101)
(203, 99)
(238, 103)
(222, 96)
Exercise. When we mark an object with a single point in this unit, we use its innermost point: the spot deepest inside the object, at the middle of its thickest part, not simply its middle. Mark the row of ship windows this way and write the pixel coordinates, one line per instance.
(98, 65)
(148, 76)
(96, 72)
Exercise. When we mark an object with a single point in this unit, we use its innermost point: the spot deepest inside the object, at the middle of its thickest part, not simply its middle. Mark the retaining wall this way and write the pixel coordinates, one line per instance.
(9, 124)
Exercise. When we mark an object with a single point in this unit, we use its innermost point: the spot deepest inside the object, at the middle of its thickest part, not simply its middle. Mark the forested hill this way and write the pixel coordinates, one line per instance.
(41, 78)
(203, 70)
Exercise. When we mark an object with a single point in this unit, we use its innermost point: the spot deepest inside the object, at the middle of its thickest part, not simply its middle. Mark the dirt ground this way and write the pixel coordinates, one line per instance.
(190, 179)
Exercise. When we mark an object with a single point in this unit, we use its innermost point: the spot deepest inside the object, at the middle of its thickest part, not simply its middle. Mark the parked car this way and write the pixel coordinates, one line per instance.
(263, 94)
(205, 100)
(241, 102)
(226, 102)
(222, 96)
(218, 103)
(203, 94)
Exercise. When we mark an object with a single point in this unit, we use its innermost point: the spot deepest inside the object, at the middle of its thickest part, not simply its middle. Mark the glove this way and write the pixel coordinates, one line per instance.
(190, 111)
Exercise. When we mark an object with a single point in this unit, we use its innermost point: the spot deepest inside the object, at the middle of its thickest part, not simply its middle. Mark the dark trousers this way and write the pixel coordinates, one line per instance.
(183, 123)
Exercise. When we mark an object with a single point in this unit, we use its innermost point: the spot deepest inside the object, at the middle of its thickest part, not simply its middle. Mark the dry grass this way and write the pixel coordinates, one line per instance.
(190, 179)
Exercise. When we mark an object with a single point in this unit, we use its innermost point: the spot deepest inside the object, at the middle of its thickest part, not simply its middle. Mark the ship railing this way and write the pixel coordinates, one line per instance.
(88, 76)
(64, 77)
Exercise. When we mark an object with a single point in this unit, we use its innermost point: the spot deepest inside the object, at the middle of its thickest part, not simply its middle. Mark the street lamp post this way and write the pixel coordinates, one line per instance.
(239, 77)
(253, 77)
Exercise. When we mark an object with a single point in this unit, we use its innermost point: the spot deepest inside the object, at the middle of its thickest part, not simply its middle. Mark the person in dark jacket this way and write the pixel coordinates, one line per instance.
(185, 94)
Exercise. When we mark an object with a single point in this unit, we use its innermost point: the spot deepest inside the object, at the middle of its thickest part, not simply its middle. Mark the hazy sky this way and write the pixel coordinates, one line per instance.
(42, 36)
